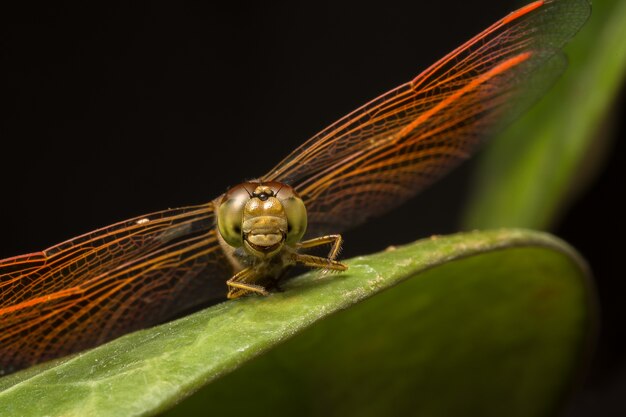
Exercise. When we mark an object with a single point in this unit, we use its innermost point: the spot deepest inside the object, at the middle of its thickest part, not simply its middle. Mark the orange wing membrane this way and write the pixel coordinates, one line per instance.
(391, 148)
(98, 286)
(146, 270)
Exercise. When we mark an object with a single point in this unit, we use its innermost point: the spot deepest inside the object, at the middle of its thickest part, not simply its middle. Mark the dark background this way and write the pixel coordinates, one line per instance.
(120, 110)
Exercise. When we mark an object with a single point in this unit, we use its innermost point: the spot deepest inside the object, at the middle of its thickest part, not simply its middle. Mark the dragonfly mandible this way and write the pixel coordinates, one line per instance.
(143, 271)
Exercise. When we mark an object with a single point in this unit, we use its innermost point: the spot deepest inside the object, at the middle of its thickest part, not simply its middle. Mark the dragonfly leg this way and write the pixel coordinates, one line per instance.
(336, 241)
(242, 283)
(319, 262)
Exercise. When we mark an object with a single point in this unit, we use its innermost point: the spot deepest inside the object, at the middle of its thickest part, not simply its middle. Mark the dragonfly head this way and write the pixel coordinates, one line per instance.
(261, 217)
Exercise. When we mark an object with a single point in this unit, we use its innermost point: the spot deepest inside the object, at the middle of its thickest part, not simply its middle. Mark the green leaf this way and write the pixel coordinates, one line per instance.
(483, 323)
(527, 175)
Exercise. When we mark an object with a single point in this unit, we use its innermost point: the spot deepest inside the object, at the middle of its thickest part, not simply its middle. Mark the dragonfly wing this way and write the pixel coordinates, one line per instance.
(101, 285)
(385, 152)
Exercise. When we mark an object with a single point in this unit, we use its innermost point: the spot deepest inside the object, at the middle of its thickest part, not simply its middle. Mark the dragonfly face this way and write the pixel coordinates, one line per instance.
(261, 225)
(145, 270)
(261, 217)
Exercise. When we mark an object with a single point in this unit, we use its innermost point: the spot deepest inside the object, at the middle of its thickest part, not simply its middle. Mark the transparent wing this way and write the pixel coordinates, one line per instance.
(98, 286)
(391, 148)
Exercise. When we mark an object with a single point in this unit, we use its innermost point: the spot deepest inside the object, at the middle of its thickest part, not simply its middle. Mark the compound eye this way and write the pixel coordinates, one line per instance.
(230, 213)
(295, 212)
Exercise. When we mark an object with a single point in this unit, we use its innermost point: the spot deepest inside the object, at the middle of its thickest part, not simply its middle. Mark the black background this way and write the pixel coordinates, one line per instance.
(120, 110)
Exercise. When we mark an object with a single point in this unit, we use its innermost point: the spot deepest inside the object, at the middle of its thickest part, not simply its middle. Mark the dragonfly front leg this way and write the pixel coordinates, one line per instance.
(329, 262)
(242, 283)
(336, 241)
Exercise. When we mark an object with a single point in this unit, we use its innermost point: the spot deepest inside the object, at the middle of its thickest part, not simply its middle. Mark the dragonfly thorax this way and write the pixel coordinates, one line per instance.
(261, 217)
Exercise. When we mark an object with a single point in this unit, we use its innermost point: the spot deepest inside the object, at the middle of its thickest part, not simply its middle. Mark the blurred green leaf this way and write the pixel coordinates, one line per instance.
(484, 323)
(527, 175)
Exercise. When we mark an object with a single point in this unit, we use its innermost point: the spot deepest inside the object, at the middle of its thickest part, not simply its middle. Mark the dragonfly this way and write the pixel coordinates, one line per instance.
(146, 270)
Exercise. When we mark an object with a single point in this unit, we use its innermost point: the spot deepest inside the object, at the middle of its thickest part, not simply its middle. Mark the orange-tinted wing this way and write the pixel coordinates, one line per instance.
(388, 150)
(98, 286)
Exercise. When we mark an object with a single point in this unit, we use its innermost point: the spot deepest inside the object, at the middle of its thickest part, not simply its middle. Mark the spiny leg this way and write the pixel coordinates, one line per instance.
(336, 241)
(241, 284)
(319, 262)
